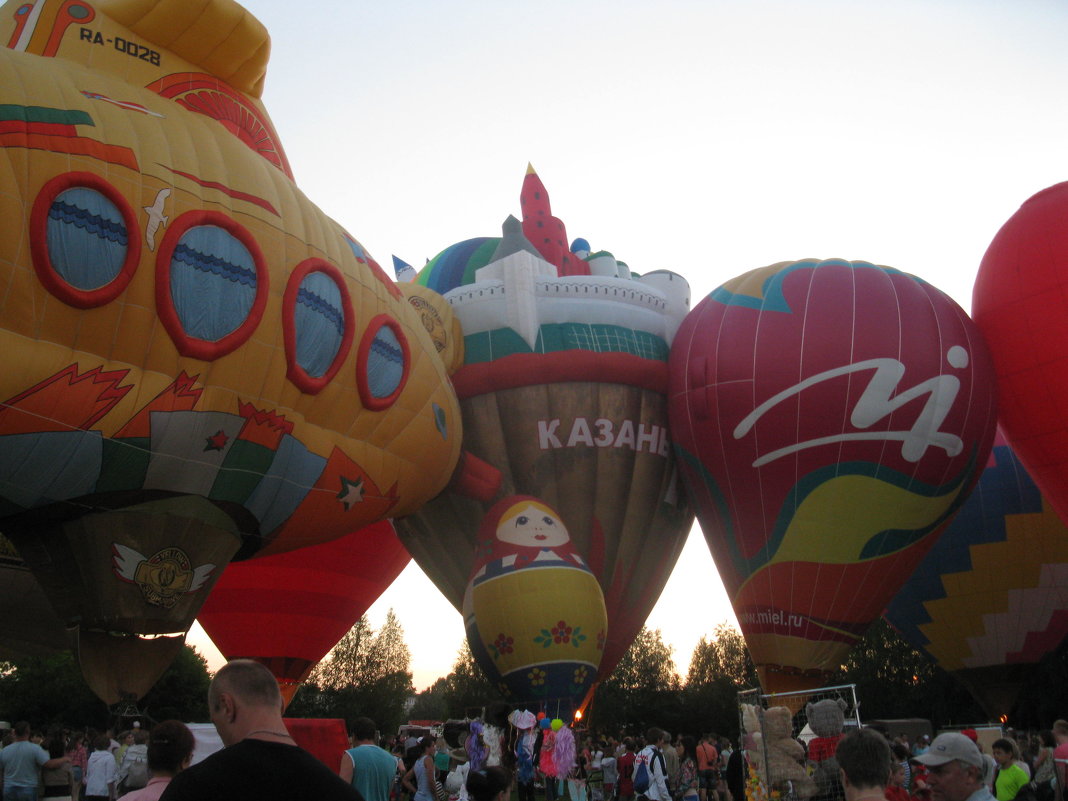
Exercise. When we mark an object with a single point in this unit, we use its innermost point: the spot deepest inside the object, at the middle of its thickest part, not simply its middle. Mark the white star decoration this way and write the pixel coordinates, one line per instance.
(351, 492)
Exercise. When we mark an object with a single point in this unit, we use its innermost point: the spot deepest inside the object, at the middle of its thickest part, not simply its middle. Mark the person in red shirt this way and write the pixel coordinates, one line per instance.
(895, 790)
(921, 788)
(1060, 755)
(707, 768)
(625, 765)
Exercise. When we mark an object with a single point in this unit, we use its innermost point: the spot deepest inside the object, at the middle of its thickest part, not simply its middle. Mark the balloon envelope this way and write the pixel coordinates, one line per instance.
(34, 630)
(563, 394)
(1018, 304)
(288, 610)
(990, 599)
(830, 417)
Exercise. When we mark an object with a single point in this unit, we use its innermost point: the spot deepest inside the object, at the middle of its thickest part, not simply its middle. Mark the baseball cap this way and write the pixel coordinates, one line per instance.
(949, 747)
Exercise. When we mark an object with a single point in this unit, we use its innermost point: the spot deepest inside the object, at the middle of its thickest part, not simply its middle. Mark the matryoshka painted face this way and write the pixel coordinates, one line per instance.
(532, 525)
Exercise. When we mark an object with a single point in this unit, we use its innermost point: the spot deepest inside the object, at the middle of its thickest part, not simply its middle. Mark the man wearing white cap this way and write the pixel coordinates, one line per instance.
(955, 769)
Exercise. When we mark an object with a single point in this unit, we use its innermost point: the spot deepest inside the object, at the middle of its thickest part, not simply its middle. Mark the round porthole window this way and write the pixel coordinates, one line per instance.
(317, 322)
(211, 284)
(383, 363)
(85, 242)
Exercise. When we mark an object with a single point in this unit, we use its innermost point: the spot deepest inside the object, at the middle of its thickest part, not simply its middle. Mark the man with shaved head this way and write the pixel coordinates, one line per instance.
(260, 761)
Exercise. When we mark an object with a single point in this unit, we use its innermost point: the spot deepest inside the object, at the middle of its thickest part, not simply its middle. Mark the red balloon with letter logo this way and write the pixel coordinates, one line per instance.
(830, 417)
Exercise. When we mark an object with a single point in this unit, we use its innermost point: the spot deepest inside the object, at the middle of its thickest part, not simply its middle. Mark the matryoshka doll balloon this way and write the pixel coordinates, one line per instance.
(534, 612)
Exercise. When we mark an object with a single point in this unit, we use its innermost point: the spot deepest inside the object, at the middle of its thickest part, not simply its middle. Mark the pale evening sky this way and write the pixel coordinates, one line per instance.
(707, 137)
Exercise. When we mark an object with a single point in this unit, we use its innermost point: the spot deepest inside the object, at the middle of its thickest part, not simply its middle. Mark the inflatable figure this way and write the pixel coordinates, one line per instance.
(534, 613)
(199, 364)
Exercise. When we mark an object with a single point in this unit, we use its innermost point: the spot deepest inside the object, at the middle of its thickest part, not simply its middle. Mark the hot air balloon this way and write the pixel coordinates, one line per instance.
(990, 599)
(562, 385)
(457, 264)
(1018, 304)
(198, 363)
(829, 417)
(35, 631)
(287, 610)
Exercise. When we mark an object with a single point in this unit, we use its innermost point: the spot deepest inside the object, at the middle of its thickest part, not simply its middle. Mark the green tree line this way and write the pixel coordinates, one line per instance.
(369, 673)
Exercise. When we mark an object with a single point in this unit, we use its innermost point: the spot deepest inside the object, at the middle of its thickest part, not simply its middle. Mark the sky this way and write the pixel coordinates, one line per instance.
(707, 137)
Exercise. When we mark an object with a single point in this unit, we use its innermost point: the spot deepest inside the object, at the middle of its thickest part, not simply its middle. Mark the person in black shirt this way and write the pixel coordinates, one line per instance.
(260, 762)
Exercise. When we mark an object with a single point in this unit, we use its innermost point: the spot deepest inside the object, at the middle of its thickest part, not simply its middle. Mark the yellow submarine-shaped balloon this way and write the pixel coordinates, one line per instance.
(198, 362)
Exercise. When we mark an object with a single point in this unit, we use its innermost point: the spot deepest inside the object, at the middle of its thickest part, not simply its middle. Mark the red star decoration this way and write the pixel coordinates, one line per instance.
(217, 441)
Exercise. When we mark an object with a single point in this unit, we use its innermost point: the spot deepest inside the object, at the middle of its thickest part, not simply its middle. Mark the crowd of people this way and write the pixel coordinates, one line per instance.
(66, 766)
(1026, 768)
(260, 760)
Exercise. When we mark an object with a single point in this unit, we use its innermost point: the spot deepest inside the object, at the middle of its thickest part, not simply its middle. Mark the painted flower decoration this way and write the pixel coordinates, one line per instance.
(580, 675)
(537, 677)
(561, 632)
(502, 645)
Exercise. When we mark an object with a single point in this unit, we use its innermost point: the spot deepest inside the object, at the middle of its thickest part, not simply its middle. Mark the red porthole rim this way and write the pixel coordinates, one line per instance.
(42, 261)
(195, 347)
(308, 384)
(363, 355)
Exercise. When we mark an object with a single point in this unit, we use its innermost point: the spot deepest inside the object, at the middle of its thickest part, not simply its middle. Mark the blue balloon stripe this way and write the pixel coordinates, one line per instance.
(387, 351)
(111, 230)
(322, 307)
(448, 269)
(208, 263)
(385, 363)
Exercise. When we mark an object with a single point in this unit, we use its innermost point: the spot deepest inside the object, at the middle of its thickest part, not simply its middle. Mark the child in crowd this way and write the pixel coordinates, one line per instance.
(101, 771)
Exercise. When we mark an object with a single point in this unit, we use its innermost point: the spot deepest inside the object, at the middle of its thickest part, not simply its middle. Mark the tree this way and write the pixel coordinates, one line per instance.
(46, 690)
(430, 703)
(719, 668)
(352, 662)
(642, 691)
(182, 692)
(366, 674)
(894, 680)
(724, 656)
(467, 689)
(1044, 695)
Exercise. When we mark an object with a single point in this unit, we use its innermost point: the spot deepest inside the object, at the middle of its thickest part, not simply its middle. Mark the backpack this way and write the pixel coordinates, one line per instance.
(135, 764)
(643, 771)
